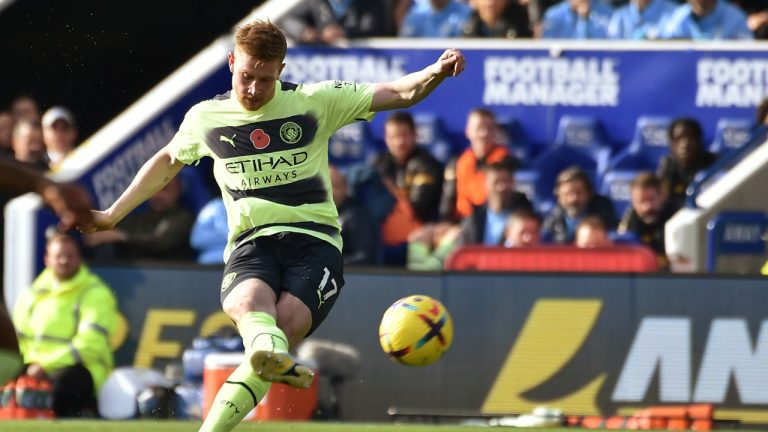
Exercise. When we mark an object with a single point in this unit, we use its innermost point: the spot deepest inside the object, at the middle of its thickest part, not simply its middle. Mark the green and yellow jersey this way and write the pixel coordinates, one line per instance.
(272, 164)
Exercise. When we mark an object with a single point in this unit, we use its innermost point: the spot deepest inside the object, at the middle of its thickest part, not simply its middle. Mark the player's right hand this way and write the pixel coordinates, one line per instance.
(70, 202)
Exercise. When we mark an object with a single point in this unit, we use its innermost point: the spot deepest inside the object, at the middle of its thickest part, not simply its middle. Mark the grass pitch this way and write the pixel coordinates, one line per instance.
(187, 426)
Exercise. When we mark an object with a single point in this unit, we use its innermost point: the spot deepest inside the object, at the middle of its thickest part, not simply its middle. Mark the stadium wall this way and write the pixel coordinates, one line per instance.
(585, 343)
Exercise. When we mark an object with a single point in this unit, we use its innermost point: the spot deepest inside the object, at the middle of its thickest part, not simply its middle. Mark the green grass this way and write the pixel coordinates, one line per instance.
(187, 426)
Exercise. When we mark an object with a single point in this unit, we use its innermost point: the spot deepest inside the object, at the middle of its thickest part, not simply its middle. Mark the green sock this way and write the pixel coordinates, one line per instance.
(260, 332)
(236, 398)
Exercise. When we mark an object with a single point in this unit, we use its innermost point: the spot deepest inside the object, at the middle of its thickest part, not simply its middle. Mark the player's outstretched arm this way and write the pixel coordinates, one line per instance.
(70, 203)
(406, 91)
(153, 176)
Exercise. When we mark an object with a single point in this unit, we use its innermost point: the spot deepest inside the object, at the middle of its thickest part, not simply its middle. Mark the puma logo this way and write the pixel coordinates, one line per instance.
(229, 140)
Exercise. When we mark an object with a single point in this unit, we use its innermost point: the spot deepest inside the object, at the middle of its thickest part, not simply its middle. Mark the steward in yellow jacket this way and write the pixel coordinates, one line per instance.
(64, 322)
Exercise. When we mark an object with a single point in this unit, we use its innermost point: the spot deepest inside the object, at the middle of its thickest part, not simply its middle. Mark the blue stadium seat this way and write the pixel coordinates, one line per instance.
(431, 134)
(650, 143)
(731, 134)
(580, 142)
(615, 184)
(511, 135)
(585, 135)
(352, 145)
(195, 191)
(525, 182)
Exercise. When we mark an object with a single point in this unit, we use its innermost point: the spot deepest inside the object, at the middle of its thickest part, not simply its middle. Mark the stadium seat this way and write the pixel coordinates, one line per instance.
(615, 185)
(585, 135)
(511, 135)
(731, 134)
(431, 134)
(649, 144)
(352, 145)
(580, 142)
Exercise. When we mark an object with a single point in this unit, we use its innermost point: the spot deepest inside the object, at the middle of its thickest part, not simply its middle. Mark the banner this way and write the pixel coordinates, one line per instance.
(586, 344)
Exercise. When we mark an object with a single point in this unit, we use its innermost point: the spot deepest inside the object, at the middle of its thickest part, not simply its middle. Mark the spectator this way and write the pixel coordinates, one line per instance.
(430, 245)
(209, 233)
(536, 11)
(640, 19)
(486, 223)
(330, 21)
(6, 134)
(464, 179)
(647, 214)
(358, 231)
(707, 20)
(577, 19)
(25, 108)
(687, 156)
(757, 16)
(413, 176)
(523, 229)
(575, 201)
(761, 113)
(27, 143)
(434, 19)
(59, 133)
(64, 322)
(161, 232)
(498, 19)
(592, 233)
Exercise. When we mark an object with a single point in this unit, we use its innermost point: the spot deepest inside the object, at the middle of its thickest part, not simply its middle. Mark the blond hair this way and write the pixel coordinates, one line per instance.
(262, 40)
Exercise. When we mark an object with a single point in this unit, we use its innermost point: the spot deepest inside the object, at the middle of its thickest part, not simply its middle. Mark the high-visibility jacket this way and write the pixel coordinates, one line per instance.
(61, 324)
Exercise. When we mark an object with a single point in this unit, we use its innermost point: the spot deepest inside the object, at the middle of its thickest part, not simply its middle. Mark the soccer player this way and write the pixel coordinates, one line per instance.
(269, 142)
(72, 206)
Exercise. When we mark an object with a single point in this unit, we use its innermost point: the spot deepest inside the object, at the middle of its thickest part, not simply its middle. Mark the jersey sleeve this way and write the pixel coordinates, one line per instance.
(188, 145)
(345, 101)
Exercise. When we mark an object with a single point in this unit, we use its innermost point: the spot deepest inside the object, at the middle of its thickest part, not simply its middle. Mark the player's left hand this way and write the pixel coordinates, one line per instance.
(70, 202)
(451, 62)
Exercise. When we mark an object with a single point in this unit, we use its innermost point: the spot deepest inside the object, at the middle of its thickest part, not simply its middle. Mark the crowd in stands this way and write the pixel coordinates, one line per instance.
(411, 205)
(330, 21)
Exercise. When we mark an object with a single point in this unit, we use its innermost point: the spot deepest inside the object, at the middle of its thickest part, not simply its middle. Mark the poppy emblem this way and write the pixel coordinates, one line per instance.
(260, 139)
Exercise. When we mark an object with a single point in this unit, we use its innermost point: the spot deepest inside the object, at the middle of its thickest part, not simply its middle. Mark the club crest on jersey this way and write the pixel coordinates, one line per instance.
(227, 281)
(260, 139)
(290, 132)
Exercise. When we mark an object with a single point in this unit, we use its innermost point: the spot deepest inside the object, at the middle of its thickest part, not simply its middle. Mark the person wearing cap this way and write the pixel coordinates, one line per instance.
(59, 133)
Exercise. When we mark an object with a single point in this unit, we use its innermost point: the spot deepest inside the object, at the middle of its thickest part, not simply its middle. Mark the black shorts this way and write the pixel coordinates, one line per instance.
(305, 266)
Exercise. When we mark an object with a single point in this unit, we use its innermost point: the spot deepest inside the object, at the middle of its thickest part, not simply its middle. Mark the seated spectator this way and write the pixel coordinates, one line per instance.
(358, 231)
(757, 16)
(25, 107)
(27, 143)
(464, 179)
(413, 176)
(6, 134)
(160, 232)
(487, 222)
(209, 233)
(523, 229)
(435, 19)
(576, 200)
(330, 21)
(577, 19)
(687, 156)
(536, 11)
(707, 20)
(430, 245)
(761, 113)
(592, 233)
(64, 322)
(59, 134)
(640, 19)
(647, 214)
(498, 19)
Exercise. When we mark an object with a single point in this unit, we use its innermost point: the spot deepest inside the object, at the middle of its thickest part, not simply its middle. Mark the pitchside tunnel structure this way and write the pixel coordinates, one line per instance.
(588, 343)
